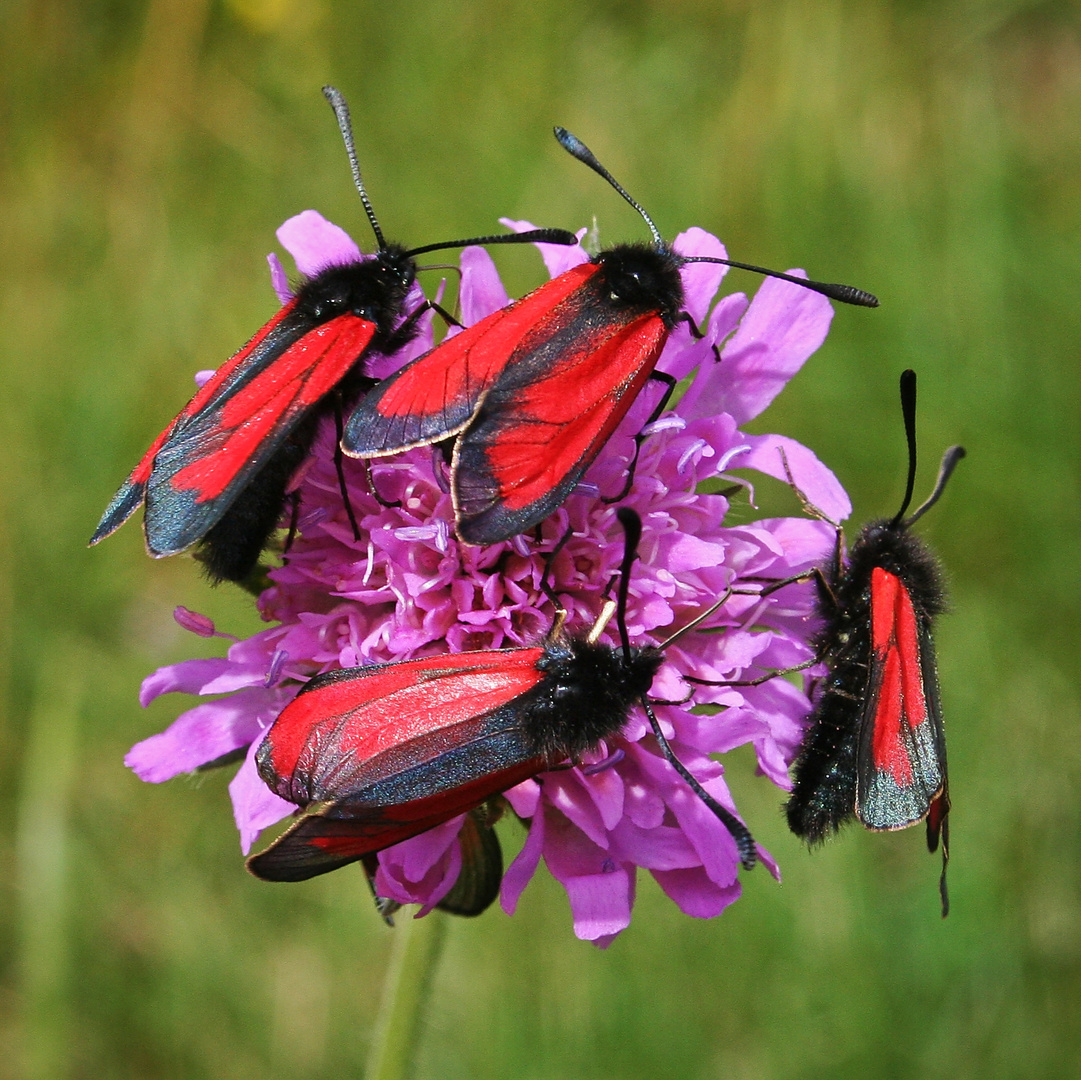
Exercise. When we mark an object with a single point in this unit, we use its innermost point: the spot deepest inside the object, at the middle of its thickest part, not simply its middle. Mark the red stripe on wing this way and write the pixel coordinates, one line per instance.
(900, 762)
(895, 645)
(133, 490)
(233, 435)
(533, 441)
(436, 395)
(348, 719)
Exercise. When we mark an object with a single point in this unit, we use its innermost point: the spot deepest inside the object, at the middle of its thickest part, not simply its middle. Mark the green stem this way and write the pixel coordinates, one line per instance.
(417, 945)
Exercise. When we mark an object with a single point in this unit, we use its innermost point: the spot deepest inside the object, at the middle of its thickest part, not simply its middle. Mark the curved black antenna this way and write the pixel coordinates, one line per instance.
(632, 529)
(949, 462)
(578, 149)
(341, 111)
(736, 829)
(844, 294)
(908, 411)
(534, 236)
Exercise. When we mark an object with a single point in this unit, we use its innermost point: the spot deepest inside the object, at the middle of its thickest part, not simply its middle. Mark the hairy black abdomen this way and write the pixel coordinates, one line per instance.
(230, 550)
(824, 785)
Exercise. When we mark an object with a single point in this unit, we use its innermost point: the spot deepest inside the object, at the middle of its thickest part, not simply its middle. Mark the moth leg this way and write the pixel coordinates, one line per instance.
(546, 584)
(736, 829)
(697, 332)
(670, 386)
(339, 463)
(408, 329)
(294, 516)
(754, 682)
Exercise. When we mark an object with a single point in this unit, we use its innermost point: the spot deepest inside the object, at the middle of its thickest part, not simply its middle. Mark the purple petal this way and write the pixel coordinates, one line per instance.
(600, 903)
(278, 280)
(518, 875)
(783, 326)
(564, 792)
(255, 806)
(204, 376)
(816, 483)
(700, 280)
(481, 291)
(205, 733)
(316, 243)
(693, 892)
(557, 257)
(423, 869)
(804, 541)
(187, 677)
(660, 848)
(524, 798)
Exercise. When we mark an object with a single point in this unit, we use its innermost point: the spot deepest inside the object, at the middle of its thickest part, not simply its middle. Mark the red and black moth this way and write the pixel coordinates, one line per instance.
(876, 747)
(374, 755)
(532, 393)
(218, 474)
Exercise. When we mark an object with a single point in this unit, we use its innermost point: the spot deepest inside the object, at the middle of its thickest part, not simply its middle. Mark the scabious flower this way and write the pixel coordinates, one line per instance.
(408, 588)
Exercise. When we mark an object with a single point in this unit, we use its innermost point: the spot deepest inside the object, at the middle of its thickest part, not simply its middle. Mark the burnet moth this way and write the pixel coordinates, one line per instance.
(875, 747)
(218, 474)
(374, 755)
(531, 393)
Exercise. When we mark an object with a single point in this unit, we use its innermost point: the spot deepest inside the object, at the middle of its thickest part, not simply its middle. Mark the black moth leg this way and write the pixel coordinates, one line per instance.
(546, 584)
(404, 334)
(754, 682)
(339, 464)
(670, 386)
(294, 517)
(697, 332)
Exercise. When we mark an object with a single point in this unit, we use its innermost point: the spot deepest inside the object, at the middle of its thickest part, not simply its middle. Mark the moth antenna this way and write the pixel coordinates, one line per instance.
(949, 462)
(578, 149)
(345, 126)
(908, 411)
(632, 529)
(808, 506)
(737, 830)
(533, 236)
(844, 294)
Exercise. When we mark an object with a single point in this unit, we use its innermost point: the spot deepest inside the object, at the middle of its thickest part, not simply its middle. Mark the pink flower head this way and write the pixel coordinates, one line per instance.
(408, 588)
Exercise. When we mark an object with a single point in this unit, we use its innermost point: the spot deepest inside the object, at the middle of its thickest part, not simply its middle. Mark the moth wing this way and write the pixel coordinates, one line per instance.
(133, 491)
(396, 734)
(435, 396)
(901, 766)
(330, 836)
(542, 425)
(238, 420)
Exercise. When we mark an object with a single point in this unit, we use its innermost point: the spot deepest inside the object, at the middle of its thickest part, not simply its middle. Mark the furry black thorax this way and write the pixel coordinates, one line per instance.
(641, 277)
(585, 695)
(374, 289)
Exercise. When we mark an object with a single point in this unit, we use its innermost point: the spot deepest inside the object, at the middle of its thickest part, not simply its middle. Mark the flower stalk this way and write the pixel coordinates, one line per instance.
(418, 944)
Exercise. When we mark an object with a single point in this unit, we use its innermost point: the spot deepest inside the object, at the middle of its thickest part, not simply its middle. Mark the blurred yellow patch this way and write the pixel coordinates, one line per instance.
(265, 16)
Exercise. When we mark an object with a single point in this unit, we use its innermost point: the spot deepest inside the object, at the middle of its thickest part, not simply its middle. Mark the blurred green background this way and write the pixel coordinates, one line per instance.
(928, 151)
